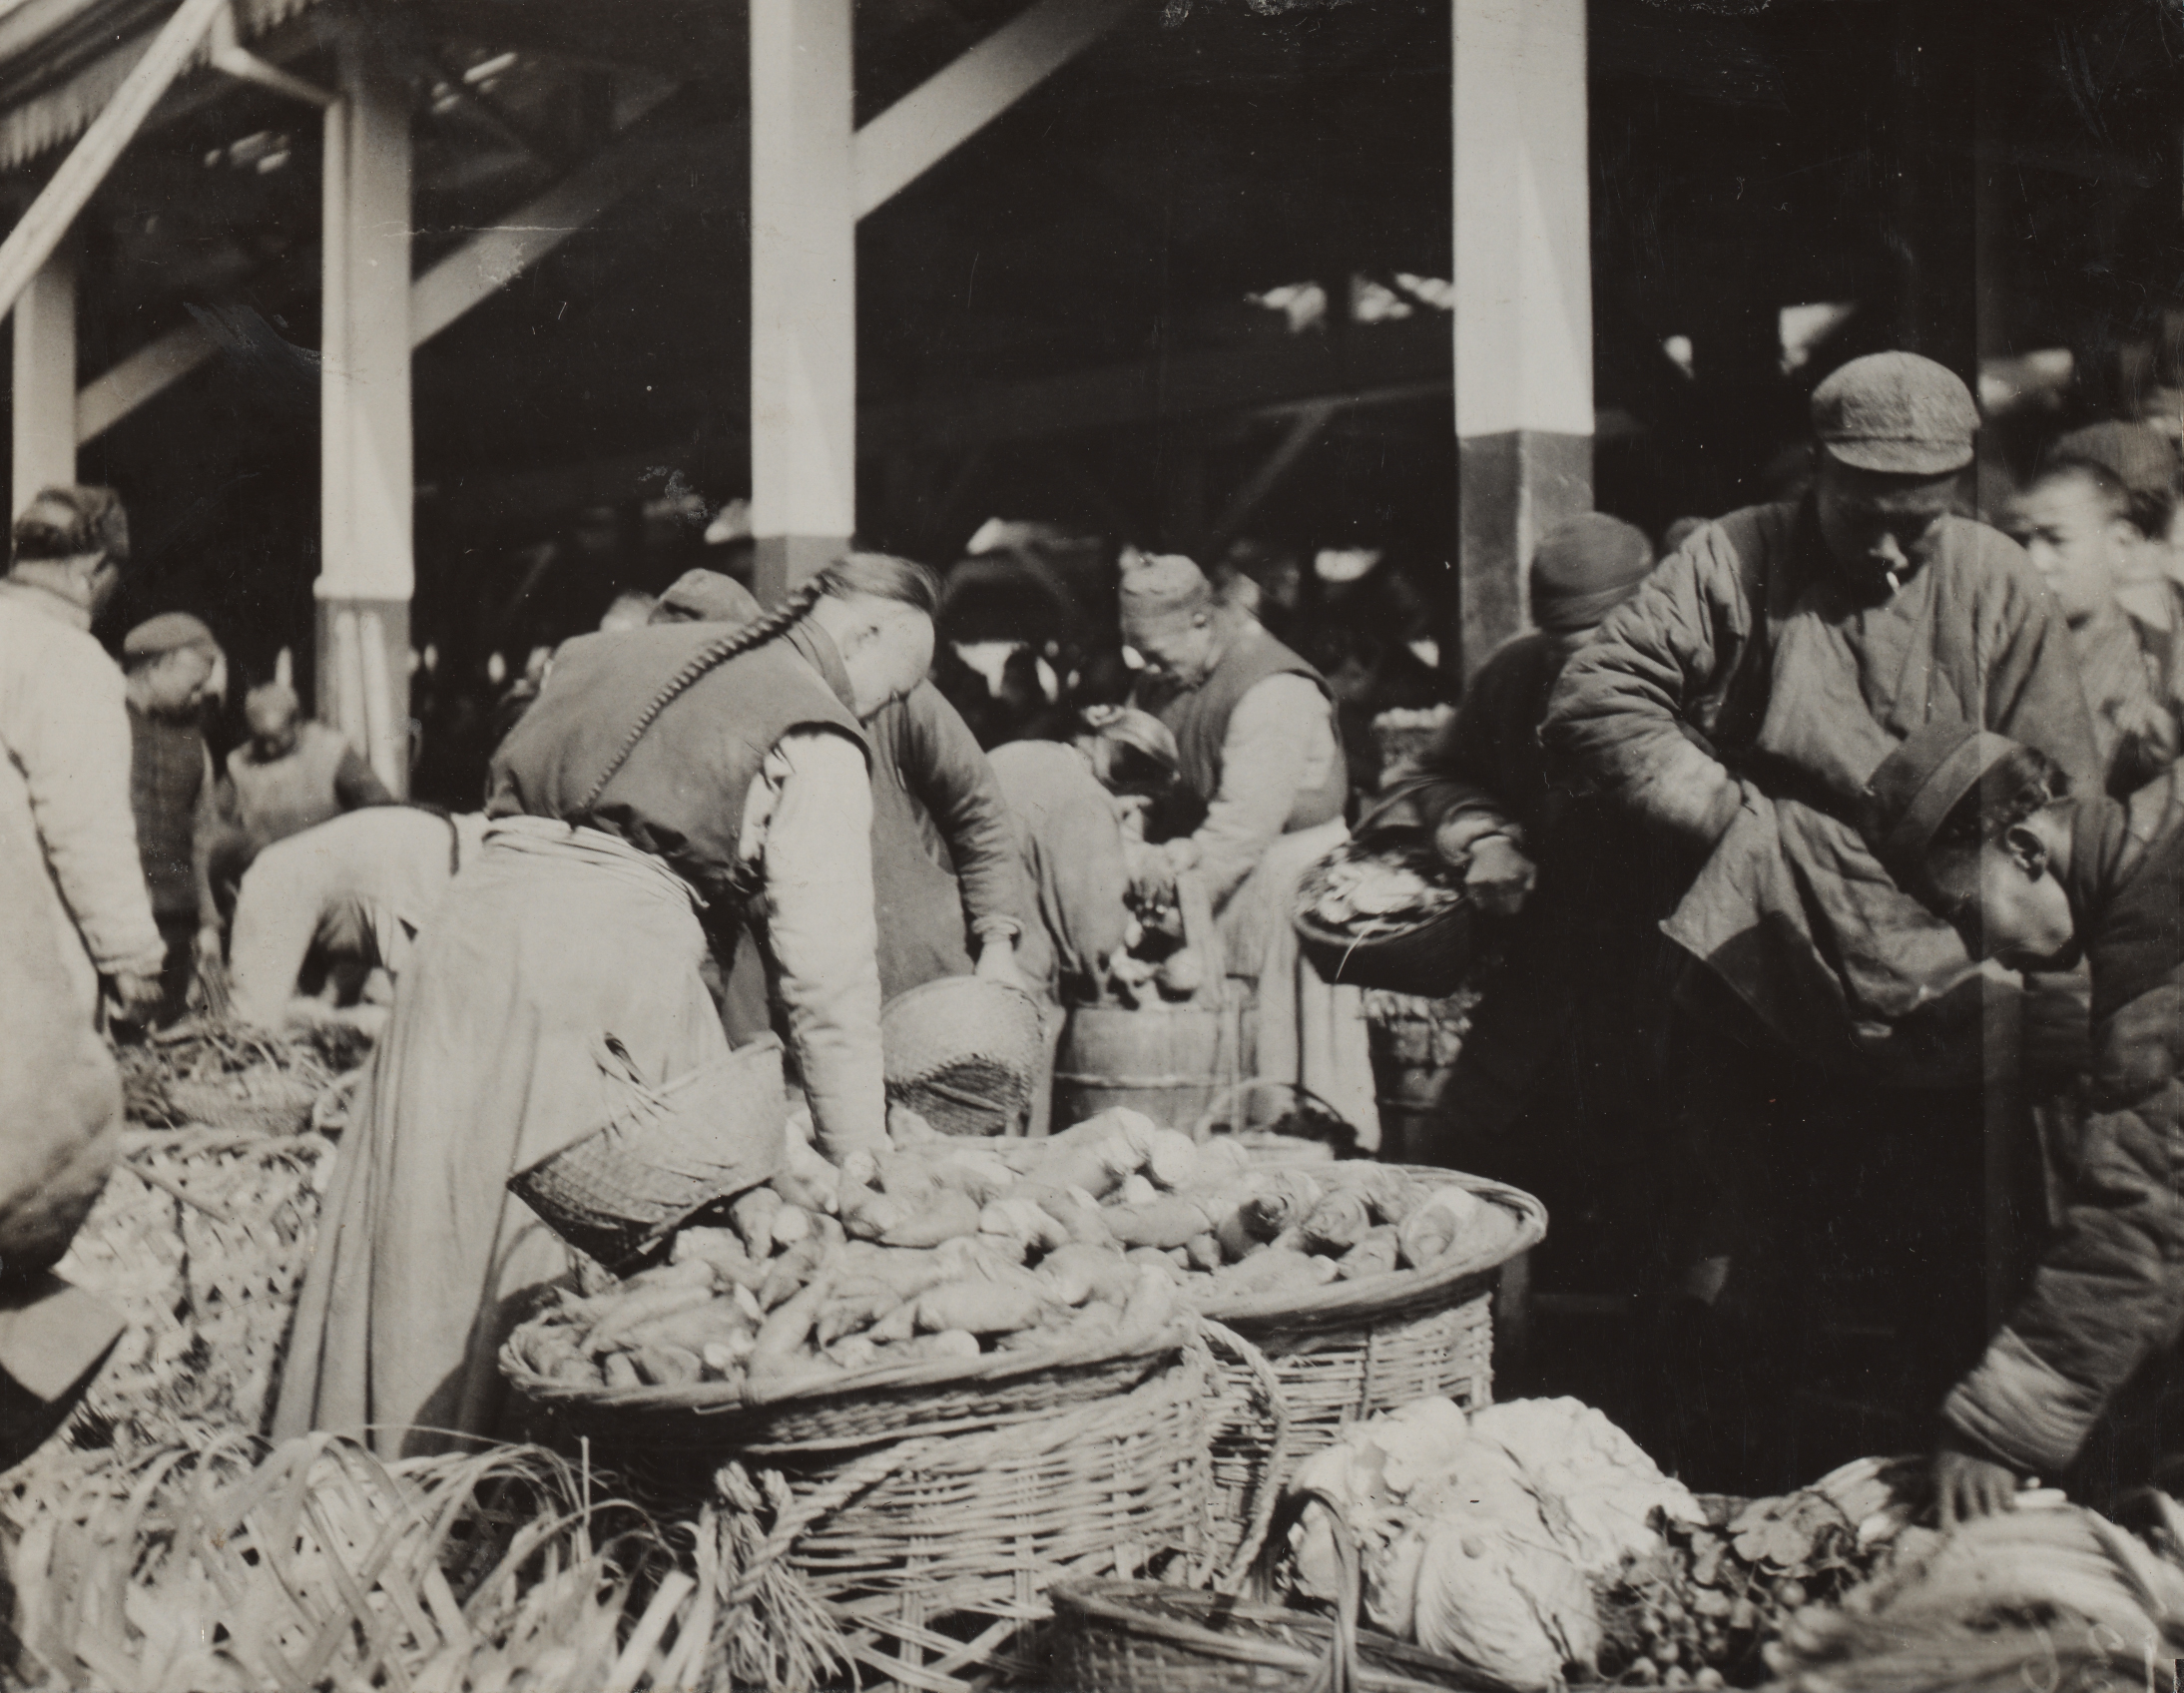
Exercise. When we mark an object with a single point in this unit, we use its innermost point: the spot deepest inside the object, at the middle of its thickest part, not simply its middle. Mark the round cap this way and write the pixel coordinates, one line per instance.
(1584, 569)
(1897, 413)
(2136, 454)
(706, 596)
(169, 632)
(1916, 786)
(1162, 593)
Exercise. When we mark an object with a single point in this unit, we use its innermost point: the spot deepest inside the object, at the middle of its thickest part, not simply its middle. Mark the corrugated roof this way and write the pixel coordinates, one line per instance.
(62, 60)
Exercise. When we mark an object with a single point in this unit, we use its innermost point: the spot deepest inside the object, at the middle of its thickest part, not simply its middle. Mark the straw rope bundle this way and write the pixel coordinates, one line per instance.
(221, 1077)
(201, 1238)
(194, 1569)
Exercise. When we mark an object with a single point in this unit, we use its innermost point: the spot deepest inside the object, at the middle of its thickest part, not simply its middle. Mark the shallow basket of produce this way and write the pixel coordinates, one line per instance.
(1407, 1324)
(1382, 912)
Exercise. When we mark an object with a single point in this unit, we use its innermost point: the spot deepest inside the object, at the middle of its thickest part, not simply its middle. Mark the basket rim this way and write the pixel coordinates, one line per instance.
(725, 1398)
(1320, 934)
(1371, 1296)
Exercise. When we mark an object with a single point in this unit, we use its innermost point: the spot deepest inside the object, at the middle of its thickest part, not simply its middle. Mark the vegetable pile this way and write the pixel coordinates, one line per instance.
(1700, 1608)
(1382, 891)
(937, 1248)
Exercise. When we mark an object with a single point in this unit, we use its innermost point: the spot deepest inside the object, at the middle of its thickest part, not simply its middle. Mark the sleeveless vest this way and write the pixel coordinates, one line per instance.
(1200, 722)
(287, 795)
(679, 793)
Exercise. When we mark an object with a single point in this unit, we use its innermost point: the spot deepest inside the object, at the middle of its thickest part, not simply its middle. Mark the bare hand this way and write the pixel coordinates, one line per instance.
(208, 944)
(997, 962)
(1967, 1487)
(2059, 1022)
(1499, 878)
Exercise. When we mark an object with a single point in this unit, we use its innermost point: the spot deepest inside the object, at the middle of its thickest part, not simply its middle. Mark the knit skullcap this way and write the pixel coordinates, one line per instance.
(170, 632)
(1584, 569)
(66, 521)
(1162, 593)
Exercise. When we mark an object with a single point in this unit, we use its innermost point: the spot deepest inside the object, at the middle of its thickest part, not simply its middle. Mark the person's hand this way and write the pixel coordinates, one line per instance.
(1967, 1486)
(997, 962)
(141, 996)
(208, 944)
(1500, 877)
(2059, 1022)
(1151, 874)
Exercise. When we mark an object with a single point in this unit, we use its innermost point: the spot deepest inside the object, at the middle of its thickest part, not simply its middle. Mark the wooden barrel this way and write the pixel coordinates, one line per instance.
(1164, 1060)
(1409, 1095)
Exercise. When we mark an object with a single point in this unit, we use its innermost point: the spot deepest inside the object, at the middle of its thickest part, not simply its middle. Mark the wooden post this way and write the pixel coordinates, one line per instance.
(45, 380)
(803, 289)
(367, 568)
(1524, 284)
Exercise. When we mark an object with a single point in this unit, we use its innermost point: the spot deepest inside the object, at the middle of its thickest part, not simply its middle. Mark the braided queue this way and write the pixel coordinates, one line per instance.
(708, 658)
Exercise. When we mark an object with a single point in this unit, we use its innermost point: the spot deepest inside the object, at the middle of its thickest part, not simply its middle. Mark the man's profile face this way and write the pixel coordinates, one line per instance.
(273, 727)
(2074, 541)
(1179, 654)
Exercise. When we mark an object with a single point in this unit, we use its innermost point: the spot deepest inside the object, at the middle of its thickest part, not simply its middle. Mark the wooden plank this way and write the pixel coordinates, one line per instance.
(41, 229)
(939, 116)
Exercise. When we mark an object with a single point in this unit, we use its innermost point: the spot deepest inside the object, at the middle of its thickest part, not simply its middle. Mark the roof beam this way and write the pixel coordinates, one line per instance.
(472, 273)
(940, 114)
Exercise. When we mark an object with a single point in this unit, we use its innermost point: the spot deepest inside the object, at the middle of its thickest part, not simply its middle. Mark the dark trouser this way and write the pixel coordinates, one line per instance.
(179, 930)
(1852, 1218)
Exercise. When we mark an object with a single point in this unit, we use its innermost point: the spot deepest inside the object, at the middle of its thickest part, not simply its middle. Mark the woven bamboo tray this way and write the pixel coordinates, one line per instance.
(932, 1555)
(1350, 1348)
(201, 1238)
(720, 1419)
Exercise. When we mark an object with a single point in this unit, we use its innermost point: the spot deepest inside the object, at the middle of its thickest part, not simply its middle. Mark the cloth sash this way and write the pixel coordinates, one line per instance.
(548, 837)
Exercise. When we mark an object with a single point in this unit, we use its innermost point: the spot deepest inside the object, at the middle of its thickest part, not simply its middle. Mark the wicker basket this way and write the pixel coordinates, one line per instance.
(1432, 958)
(932, 1555)
(201, 1238)
(1350, 1348)
(264, 1102)
(1148, 1637)
(669, 1151)
(963, 1053)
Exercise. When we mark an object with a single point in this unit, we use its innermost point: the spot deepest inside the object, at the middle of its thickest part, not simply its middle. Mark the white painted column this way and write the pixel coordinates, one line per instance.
(1524, 286)
(802, 289)
(366, 565)
(44, 396)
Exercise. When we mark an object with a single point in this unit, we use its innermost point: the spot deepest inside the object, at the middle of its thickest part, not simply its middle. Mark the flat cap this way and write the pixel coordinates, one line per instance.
(1912, 792)
(2136, 454)
(1584, 569)
(704, 596)
(1897, 413)
(169, 632)
(67, 521)
(1161, 592)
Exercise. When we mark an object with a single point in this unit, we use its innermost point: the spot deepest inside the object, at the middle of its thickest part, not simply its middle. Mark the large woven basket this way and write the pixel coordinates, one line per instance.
(667, 1152)
(201, 1238)
(1350, 1348)
(932, 1555)
(963, 1053)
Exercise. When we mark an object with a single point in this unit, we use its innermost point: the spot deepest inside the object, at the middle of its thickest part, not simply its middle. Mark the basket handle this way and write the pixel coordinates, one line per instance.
(1340, 1672)
(1267, 1495)
(1235, 1093)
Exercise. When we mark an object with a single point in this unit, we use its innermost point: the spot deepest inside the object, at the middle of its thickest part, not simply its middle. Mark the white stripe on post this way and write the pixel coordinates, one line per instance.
(802, 289)
(44, 398)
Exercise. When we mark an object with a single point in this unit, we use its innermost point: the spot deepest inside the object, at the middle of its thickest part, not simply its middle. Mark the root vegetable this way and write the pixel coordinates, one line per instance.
(1154, 1257)
(1136, 1190)
(907, 1128)
(1167, 1221)
(1074, 1209)
(751, 1216)
(980, 1254)
(723, 1355)
(828, 1230)
(847, 1313)
(746, 1302)
(855, 1353)
(949, 1343)
(1100, 1272)
(983, 1307)
(1237, 1243)
(789, 1325)
(1392, 1194)
(1152, 1303)
(1025, 1221)
(693, 1331)
(791, 1372)
(634, 1312)
(791, 1223)
(1438, 1225)
(1274, 1270)
(979, 1174)
(1203, 1251)
(899, 1325)
(944, 1216)
(724, 1252)
(866, 1214)
(789, 1272)
(1172, 1161)
(1281, 1200)
(1337, 1222)
(668, 1366)
(860, 1169)
(1219, 1159)
(1097, 1154)
(1374, 1255)
(620, 1370)
(907, 1176)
